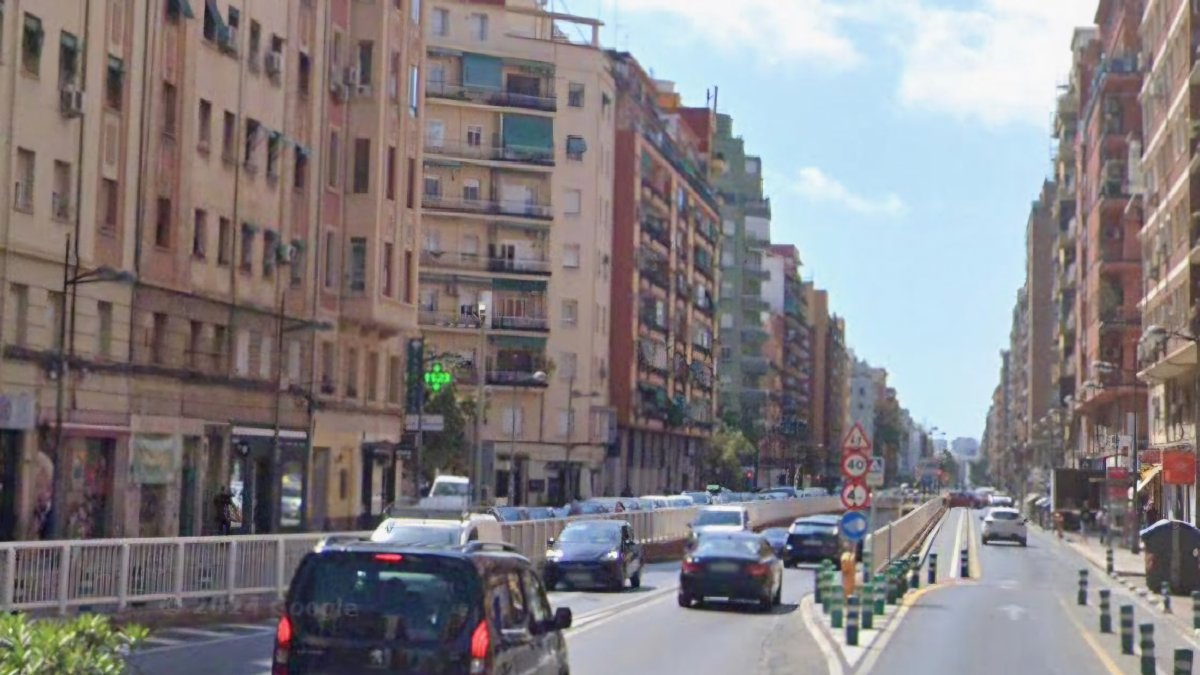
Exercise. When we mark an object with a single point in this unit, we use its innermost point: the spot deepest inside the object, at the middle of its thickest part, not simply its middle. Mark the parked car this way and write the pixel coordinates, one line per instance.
(813, 539)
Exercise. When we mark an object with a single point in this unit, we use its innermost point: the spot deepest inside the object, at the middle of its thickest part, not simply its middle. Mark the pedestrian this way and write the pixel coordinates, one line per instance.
(1085, 515)
(1152, 513)
(1102, 525)
(226, 510)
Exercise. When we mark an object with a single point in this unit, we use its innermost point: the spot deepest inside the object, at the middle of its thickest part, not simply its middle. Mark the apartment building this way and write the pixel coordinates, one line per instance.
(836, 382)
(790, 357)
(1041, 234)
(867, 385)
(247, 162)
(746, 229)
(1170, 236)
(664, 282)
(519, 157)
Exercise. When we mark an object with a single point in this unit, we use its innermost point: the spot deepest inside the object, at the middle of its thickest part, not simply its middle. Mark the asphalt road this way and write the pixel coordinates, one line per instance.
(1018, 615)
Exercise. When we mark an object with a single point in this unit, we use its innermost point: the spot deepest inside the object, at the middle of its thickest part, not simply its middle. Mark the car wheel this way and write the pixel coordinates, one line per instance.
(618, 585)
(551, 582)
(636, 580)
(685, 600)
(778, 599)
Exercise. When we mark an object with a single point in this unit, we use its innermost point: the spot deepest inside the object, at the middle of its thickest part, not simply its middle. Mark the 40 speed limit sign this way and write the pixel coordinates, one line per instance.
(855, 465)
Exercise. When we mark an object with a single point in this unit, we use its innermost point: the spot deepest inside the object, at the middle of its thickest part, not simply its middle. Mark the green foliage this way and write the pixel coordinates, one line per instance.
(446, 450)
(87, 645)
(722, 463)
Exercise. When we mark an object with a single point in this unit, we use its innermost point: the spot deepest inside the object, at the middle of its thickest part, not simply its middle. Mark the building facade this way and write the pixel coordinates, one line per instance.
(518, 220)
(790, 395)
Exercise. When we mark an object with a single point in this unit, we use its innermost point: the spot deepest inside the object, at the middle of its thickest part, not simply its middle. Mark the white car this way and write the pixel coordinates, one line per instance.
(723, 518)
(428, 527)
(1004, 523)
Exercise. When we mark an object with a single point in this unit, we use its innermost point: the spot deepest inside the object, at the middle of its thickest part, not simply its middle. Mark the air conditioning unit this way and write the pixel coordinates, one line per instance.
(273, 63)
(70, 101)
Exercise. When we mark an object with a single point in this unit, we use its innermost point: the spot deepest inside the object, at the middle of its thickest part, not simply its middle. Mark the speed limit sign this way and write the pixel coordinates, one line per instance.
(855, 465)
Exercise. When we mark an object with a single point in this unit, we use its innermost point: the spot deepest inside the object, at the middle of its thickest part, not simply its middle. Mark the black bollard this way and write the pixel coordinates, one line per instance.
(1183, 662)
(1147, 644)
(1126, 629)
(1105, 611)
(932, 568)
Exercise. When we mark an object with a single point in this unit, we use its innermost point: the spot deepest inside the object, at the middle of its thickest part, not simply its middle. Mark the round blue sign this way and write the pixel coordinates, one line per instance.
(854, 525)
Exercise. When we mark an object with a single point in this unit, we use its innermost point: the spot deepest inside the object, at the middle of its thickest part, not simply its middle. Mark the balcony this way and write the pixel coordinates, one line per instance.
(473, 262)
(508, 97)
(433, 202)
(496, 152)
(755, 365)
(649, 319)
(754, 270)
(753, 302)
(463, 320)
(1119, 318)
(708, 231)
(756, 241)
(656, 229)
(703, 262)
(1117, 253)
(754, 333)
(1114, 190)
(515, 378)
(658, 191)
(652, 356)
(538, 324)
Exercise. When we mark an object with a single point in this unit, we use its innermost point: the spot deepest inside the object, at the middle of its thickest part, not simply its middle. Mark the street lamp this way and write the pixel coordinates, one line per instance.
(568, 492)
(72, 278)
(538, 377)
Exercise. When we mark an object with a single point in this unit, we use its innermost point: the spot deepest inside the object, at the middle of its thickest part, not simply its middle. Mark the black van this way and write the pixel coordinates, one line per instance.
(363, 607)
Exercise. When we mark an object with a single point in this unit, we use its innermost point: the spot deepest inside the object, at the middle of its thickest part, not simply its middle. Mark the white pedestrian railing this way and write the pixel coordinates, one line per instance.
(106, 574)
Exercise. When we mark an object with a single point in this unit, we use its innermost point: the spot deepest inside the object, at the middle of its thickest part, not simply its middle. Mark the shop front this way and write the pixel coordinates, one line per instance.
(18, 417)
(256, 474)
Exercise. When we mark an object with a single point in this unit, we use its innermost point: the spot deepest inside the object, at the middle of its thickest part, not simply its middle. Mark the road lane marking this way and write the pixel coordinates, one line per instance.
(204, 643)
(833, 659)
(974, 559)
(1091, 642)
(956, 553)
(591, 621)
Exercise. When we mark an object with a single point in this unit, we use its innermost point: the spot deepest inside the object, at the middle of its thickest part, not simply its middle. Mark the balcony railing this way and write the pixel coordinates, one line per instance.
(474, 261)
(656, 229)
(514, 378)
(659, 191)
(496, 152)
(487, 96)
(1120, 317)
(488, 206)
(649, 320)
(529, 323)
(453, 319)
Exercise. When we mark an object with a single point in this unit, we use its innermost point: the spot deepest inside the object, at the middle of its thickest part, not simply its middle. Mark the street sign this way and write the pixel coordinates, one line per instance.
(856, 440)
(855, 465)
(426, 423)
(875, 475)
(853, 526)
(1178, 467)
(856, 495)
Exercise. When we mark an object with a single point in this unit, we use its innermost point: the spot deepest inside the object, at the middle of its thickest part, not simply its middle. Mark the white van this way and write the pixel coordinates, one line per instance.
(448, 492)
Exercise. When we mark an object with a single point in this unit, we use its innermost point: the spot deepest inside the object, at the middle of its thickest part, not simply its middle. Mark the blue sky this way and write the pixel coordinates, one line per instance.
(903, 142)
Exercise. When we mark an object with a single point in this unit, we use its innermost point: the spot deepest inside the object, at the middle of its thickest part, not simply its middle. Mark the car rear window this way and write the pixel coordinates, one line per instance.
(384, 596)
(417, 535)
(1004, 515)
(722, 546)
(813, 528)
(719, 518)
(587, 533)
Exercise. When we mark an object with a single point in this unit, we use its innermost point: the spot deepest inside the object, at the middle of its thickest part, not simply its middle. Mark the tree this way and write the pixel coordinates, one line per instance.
(889, 432)
(722, 461)
(447, 451)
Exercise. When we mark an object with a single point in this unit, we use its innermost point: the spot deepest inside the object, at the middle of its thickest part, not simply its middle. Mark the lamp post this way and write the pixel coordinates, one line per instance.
(72, 278)
(568, 492)
(538, 377)
(477, 491)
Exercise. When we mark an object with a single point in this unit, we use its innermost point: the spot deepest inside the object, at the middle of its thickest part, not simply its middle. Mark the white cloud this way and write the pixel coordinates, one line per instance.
(817, 186)
(811, 31)
(998, 63)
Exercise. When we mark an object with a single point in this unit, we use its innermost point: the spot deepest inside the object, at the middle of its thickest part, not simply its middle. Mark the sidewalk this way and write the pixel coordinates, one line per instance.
(1125, 562)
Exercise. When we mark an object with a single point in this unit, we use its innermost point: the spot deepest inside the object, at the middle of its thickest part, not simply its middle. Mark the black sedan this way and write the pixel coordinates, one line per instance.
(594, 553)
(737, 567)
(777, 537)
(813, 539)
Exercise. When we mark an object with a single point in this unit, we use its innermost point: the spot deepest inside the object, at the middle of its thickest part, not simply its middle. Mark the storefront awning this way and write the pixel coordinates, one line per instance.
(1147, 475)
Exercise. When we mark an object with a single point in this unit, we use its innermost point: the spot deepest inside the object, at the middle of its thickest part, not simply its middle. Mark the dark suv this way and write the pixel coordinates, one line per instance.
(363, 607)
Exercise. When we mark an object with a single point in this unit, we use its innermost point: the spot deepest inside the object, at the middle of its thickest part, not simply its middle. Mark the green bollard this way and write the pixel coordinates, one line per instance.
(868, 606)
(852, 621)
(902, 578)
(1105, 611)
(836, 612)
(880, 594)
(818, 587)
(866, 565)
(827, 594)
(1195, 610)
(914, 574)
(932, 569)
(1183, 662)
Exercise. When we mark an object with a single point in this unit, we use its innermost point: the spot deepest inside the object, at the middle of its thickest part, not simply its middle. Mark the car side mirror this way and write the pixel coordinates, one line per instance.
(562, 618)
(550, 541)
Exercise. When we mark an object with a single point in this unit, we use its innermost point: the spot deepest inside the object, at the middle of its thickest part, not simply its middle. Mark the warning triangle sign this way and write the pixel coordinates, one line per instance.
(856, 440)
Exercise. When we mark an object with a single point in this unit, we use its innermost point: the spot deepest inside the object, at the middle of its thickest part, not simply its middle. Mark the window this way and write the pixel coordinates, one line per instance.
(357, 272)
(60, 196)
(510, 420)
(305, 74)
(220, 347)
(362, 165)
(20, 298)
(394, 76)
(199, 233)
(395, 378)
(104, 329)
(252, 129)
(366, 52)
(205, 125)
(68, 59)
(224, 242)
(247, 259)
(391, 173)
(31, 44)
(414, 89)
(372, 376)
(406, 278)
(26, 163)
(169, 102)
(351, 373)
(570, 312)
(479, 27)
(195, 344)
(241, 356)
(327, 361)
(433, 186)
(228, 139)
(330, 257)
(575, 95)
(388, 267)
(212, 21)
(274, 146)
(726, 320)
(114, 83)
(108, 205)
(158, 339)
(576, 147)
(296, 268)
(470, 245)
(255, 41)
(474, 136)
(270, 248)
(411, 197)
(265, 353)
(441, 22)
(471, 190)
(335, 148)
(162, 223)
(571, 255)
(415, 10)
(293, 361)
(300, 176)
(573, 203)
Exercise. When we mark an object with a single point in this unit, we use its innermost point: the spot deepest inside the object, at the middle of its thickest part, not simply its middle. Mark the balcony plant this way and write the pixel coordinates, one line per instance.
(89, 644)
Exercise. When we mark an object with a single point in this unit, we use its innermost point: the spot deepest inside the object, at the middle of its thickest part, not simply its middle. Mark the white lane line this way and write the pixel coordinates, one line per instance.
(205, 643)
(832, 659)
(955, 569)
(591, 620)
(195, 632)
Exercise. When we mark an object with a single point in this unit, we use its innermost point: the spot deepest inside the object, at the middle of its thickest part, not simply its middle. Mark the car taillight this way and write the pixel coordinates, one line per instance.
(690, 567)
(481, 645)
(757, 569)
(389, 557)
(283, 646)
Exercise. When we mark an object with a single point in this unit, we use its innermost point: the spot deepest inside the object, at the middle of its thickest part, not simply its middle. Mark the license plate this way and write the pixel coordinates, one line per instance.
(579, 576)
(723, 567)
(811, 542)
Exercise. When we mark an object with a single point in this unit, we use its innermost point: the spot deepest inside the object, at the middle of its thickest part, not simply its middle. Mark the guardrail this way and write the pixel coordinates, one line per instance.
(118, 573)
(892, 539)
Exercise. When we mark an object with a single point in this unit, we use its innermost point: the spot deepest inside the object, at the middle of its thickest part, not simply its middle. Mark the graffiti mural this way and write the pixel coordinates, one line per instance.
(89, 496)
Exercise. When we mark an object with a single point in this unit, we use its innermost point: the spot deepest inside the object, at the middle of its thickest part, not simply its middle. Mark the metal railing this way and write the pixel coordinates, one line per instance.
(479, 262)
(487, 206)
(497, 151)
